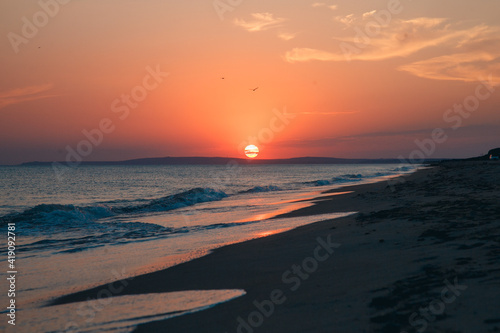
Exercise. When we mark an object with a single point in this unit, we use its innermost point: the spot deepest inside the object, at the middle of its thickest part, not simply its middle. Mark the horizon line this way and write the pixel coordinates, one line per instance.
(246, 160)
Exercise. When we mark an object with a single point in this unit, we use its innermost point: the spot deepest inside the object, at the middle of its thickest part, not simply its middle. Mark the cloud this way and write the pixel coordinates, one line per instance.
(260, 22)
(347, 20)
(20, 95)
(412, 133)
(460, 52)
(318, 4)
(321, 142)
(322, 4)
(333, 113)
(470, 132)
(369, 14)
(303, 54)
(477, 57)
(469, 67)
(400, 39)
(424, 132)
(286, 36)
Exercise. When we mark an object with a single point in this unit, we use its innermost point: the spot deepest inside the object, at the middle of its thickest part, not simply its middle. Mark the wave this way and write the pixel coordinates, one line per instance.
(321, 182)
(179, 200)
(404, 168)
(55, 214)
(336, 180)
(47, 216)
(347, 178)
(114, 233)
(351, 176)
(260, 189)
(70, 228)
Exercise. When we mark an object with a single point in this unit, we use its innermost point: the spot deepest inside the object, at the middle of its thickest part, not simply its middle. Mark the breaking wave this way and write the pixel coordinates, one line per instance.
(48, 216)
(260, 189)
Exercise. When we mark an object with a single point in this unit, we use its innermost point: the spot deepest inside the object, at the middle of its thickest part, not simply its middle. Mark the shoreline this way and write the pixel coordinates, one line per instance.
(353, 274)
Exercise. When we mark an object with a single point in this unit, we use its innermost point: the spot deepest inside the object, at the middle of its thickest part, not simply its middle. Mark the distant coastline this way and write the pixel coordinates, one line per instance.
(226, 160)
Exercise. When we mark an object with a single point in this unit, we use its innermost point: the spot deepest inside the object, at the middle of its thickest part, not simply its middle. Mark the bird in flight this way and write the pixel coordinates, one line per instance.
(254, 89)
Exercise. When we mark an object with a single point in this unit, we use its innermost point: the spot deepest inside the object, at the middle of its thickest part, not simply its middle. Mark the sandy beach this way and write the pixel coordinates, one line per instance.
(421, 255)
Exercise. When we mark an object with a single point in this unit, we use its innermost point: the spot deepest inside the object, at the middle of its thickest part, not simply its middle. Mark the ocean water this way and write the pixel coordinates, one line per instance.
(99, 224)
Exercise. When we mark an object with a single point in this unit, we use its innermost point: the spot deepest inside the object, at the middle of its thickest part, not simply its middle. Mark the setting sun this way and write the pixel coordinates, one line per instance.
(251, 151)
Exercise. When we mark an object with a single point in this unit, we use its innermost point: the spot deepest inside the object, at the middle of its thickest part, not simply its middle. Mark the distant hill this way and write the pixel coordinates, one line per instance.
(494, 152)
(226, 160)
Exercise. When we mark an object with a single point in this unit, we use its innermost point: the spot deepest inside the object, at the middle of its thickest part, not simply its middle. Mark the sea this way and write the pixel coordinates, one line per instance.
(99, 224)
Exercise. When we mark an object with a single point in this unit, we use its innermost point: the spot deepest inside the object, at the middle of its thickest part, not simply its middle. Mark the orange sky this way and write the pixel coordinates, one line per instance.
(67, 68)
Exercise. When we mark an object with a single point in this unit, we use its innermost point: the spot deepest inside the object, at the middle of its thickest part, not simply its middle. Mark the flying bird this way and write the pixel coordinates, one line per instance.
(254, 89)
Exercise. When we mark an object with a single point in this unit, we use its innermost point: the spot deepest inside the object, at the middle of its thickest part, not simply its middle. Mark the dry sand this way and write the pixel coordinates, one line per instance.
(422, 255)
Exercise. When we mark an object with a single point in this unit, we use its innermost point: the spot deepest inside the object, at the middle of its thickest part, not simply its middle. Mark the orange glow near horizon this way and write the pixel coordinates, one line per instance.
(175, 79)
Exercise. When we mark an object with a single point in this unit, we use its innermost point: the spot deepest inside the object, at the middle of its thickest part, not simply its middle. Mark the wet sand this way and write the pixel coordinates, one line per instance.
(422, 255)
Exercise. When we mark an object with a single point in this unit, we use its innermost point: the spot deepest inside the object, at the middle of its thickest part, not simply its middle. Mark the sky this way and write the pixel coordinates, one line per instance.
(121, 79)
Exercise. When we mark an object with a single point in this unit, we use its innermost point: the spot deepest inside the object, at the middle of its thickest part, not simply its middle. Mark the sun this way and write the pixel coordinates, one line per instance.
(251, 151)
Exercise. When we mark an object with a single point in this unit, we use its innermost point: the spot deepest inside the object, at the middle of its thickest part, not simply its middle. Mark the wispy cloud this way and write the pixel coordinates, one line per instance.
(286, 36)
(347, 20)
(303, 54)
(16, 96)
(260, 22)
(322, 4)
(401, 136)
(318, 4)
(320, 142)
(420, 132)
(400, 39)
(469, 67)
(332, 113)
(461, 53)
(477, 55)
(369, 14)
